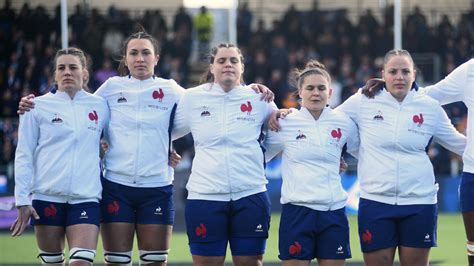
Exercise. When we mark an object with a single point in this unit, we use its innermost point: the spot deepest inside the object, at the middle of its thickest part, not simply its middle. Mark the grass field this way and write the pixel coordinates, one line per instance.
(450, 251)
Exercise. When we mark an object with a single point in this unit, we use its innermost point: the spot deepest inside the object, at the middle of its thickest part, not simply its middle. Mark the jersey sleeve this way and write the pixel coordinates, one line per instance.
(452, 87)
(446, 135)
(181, 125)
(28, 135)
(273, 144)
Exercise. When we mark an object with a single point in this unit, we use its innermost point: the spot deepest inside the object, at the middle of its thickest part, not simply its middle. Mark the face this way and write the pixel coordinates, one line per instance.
(69, 74)
(399, 74)
(314, 93)
(227, 67)
(141, 58)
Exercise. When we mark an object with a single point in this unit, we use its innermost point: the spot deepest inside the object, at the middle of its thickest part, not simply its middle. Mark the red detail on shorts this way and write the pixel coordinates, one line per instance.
(113, 207)
(295, 249)
(50, 211)
(201, 230)
(367, 236)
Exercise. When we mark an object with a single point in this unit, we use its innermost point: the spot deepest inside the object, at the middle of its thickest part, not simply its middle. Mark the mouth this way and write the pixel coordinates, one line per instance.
(140, 67)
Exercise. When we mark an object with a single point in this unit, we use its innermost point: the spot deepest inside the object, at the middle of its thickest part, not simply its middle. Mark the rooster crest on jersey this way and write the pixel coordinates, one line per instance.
(94, 117)
(418, 119)
(246, 108)
(158, 95)
(337, 134)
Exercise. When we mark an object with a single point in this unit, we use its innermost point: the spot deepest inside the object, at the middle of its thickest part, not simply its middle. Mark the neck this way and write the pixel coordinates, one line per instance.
(144, 77)
(315, 113)
(227, 86)
(70, 91)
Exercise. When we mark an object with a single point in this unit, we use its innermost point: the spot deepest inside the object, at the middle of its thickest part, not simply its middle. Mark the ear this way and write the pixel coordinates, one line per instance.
(382, 72)
(243, 68)
(330, 93)
(85, 78)
(211, 68)
(414, 74)
(157, 59)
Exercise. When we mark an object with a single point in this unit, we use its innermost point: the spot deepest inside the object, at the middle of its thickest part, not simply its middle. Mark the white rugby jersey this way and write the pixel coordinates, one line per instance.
(311, 152)
(226, 127)
(138, 132)
(459, 86)
(394, 167)
(57, 156)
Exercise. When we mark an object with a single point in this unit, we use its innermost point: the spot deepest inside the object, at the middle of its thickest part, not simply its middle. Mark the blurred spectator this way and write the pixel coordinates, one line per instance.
(204, 24)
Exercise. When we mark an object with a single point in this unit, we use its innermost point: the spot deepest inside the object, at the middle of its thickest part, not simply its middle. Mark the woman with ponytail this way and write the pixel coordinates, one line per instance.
(227, 197)
(313, 221)
(398, 196)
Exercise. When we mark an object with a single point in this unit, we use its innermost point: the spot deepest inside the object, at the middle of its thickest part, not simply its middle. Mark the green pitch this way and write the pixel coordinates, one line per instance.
(451, 248)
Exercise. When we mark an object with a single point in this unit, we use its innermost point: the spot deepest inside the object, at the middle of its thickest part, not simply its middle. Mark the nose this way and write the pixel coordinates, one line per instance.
(67, 71)
(139, 58)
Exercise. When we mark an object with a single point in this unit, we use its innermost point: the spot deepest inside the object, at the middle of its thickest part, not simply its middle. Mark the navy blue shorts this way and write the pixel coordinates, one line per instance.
(466, 192)
(65, 214)
(243, 223)
(306, 234)
(384, 225)
(136, 205)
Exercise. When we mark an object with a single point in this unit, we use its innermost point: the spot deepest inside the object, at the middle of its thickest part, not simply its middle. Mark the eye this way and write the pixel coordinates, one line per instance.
(393, 71)
(234, 60)
(322, 88)
(146, 52)
(406, 72)
(221, 60)
(132, 53)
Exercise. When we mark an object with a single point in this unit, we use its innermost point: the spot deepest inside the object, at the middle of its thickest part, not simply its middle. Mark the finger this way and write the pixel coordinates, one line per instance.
(35, 215)
(13, 225)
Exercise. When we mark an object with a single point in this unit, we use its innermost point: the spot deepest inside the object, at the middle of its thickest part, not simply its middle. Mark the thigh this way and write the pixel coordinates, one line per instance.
(83, 213)
(155, 205)
(208, 260)
(117, 237)
(377, 227)
(82, 236)
(153, 237)
(50, 238)
(466, 192)
(116, 205)
(414, 256)
(381, 257)
(50, 213)
(296, 236)
(256, 260)
(207, 227)
(250, 216)
(332, 240)
(417, 229)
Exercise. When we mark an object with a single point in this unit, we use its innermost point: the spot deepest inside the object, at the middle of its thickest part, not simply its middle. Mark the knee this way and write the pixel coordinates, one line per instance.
(81, 255)
(122, 258)
(147, 257)
(51, 257)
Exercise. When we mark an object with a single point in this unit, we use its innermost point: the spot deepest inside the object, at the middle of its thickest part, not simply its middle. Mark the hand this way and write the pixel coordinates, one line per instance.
(267, 94)
(26, 104)
(342, 166)
(372, 87)
(24, 214)
(273, 123)
(174, 159)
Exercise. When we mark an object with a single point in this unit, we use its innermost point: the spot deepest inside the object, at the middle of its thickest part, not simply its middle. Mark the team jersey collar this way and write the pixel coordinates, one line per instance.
(215, 86)
(308, 114)
(64, 96)
(386, 95)
(153, 77)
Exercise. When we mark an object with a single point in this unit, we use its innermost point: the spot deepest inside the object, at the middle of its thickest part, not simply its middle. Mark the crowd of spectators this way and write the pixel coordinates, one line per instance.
(351, 51)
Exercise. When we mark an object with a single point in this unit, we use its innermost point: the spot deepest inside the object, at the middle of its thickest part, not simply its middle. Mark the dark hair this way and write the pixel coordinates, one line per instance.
(208, 76)
(313, 67)
(139, 34)
(376, 84)
(77, 53)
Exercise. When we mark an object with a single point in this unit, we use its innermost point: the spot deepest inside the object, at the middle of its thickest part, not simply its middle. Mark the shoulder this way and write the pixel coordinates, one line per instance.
(423, 98)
